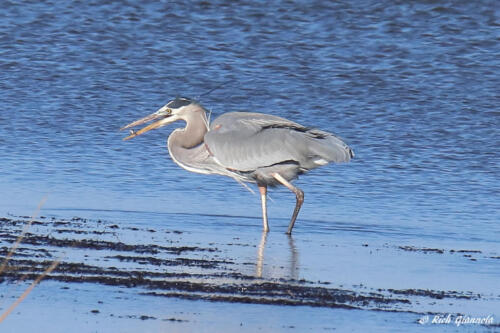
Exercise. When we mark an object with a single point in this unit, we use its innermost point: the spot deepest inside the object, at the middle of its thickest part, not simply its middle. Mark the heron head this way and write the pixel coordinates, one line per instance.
(174, 110)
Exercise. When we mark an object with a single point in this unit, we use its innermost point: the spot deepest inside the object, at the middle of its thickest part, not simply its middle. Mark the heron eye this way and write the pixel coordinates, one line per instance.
(169, 111)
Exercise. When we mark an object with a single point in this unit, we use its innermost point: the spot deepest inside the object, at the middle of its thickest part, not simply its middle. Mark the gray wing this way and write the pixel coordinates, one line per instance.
(247, 141)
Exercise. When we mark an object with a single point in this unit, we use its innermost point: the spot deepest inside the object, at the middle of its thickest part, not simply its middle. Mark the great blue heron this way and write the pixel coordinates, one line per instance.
(249, 147)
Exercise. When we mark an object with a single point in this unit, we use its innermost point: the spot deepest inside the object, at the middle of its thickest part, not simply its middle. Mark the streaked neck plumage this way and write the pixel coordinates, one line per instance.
(185, 145)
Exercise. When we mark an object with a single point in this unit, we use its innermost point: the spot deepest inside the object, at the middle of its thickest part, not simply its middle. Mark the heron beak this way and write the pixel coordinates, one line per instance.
(162, 114)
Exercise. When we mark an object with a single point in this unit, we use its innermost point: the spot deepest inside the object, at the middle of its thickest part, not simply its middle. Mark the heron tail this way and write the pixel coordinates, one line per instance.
(330, 148)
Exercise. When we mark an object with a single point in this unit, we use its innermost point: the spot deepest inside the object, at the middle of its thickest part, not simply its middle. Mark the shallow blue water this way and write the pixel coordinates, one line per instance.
(411, 87)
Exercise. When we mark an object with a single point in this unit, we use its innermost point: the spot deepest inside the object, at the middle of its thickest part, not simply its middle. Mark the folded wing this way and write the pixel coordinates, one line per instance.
(245, 141)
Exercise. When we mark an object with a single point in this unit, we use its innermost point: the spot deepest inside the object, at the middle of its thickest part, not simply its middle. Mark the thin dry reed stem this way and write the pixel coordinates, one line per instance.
(28, 290)
(21, 236)
(11, 252)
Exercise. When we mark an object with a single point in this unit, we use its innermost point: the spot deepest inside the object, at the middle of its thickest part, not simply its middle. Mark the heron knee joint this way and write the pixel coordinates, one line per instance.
(300, 195)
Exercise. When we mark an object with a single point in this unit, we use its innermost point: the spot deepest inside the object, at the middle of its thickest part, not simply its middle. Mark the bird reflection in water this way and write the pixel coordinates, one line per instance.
(293, 273)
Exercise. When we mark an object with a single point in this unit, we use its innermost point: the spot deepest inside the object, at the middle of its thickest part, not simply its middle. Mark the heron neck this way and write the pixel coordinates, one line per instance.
(192, 135)
(185, 145)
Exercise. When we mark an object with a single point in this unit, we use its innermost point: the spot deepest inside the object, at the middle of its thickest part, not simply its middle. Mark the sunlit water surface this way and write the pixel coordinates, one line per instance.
(411, 87)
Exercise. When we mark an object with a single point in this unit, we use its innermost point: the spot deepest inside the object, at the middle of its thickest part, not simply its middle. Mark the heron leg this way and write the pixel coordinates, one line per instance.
(263, 198)
(299, 194)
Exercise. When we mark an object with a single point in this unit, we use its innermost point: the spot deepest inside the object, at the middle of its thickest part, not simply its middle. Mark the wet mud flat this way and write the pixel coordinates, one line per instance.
(162, 263)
